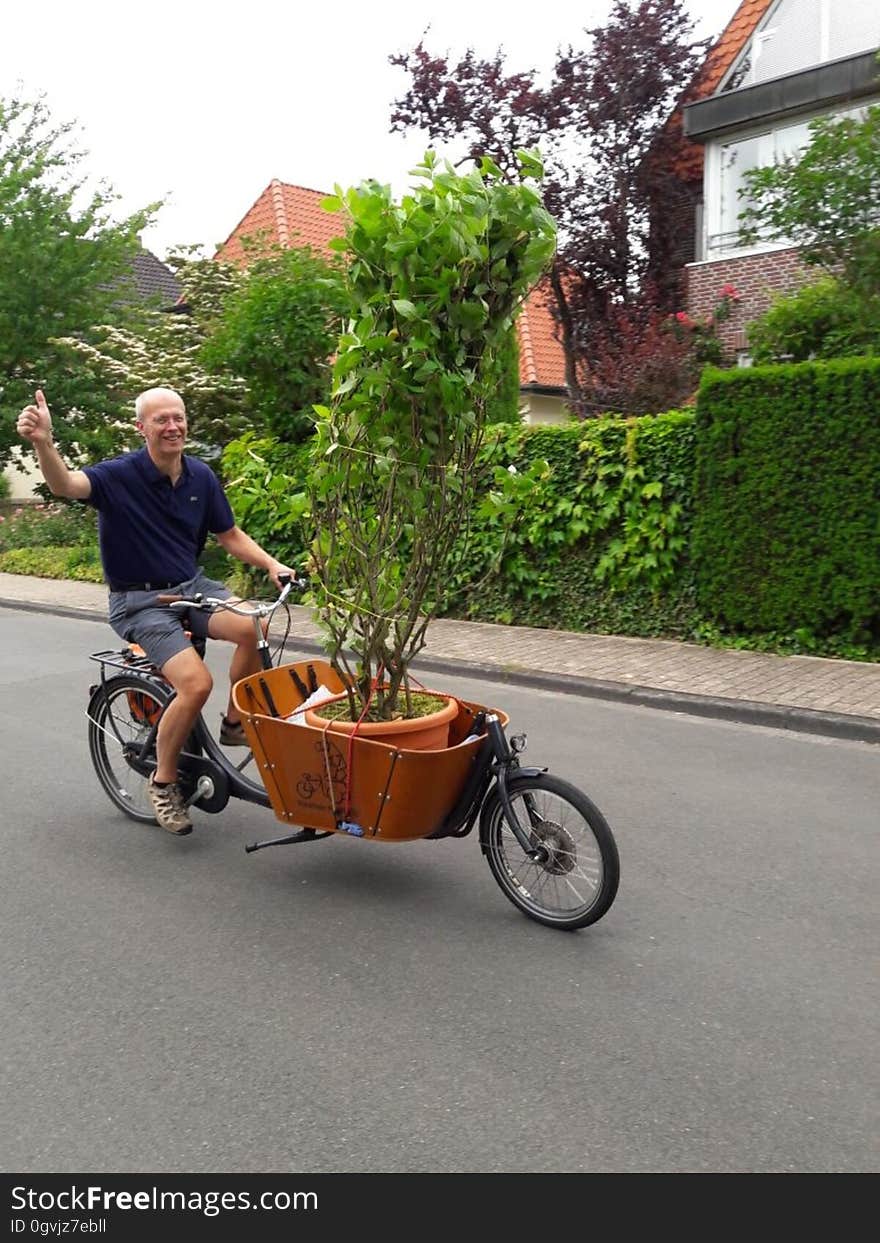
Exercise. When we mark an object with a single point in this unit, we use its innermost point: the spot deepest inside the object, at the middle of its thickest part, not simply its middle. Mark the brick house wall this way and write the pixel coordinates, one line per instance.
(757, 278)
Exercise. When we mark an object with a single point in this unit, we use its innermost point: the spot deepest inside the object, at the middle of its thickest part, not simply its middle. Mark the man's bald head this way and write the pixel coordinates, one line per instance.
(151, 397)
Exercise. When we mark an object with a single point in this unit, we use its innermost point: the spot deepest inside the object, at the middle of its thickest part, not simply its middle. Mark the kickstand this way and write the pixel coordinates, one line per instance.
(304, 835)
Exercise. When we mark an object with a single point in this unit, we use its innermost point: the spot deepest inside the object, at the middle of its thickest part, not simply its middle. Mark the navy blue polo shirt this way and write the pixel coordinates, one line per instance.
(148, 530)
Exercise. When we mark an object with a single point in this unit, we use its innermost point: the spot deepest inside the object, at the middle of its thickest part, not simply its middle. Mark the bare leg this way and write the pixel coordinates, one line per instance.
(189, 676)
(245, 658)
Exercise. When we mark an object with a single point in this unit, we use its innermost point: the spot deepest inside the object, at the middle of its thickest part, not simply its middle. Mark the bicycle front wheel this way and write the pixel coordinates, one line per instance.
(574, 880)
(121, 712)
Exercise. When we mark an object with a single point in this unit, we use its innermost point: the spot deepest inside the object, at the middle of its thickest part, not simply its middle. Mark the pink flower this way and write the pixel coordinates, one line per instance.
(730, 291)
(684, 318)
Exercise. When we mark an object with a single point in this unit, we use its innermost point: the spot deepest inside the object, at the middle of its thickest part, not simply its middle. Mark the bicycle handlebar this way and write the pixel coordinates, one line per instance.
(288, 583)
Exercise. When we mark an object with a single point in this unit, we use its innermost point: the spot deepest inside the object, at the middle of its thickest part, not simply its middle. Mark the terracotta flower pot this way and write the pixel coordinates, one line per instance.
(421, 733)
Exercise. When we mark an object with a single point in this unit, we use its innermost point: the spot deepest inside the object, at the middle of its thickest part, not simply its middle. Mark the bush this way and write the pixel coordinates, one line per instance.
(277, 331)
(787, 503)
(265, 483)
(640, 361)
(58, 523)
(80, 563)
(824, 320)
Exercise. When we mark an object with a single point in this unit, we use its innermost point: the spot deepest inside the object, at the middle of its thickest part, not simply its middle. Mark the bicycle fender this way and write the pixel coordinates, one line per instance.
(98, 692)
(493, 798)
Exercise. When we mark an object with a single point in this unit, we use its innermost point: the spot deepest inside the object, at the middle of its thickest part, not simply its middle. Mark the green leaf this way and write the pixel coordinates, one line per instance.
(405, 308)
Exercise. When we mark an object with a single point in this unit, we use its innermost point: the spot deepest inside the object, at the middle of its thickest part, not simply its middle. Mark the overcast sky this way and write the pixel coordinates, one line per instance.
(203, 103)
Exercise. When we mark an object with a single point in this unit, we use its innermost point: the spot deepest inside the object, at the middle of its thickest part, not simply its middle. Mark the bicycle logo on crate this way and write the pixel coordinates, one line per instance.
(331, 767)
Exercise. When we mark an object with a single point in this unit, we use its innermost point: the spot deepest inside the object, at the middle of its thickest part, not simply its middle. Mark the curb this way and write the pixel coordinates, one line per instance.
(742, 711)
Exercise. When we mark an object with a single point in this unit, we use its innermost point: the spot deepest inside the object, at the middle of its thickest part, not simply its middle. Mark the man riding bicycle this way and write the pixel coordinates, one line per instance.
(155, 508)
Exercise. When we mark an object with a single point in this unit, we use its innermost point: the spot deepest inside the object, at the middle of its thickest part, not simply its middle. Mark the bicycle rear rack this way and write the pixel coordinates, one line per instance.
(124, 658)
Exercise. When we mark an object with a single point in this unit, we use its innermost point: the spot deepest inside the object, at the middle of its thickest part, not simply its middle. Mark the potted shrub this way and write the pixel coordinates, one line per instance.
(436, 282)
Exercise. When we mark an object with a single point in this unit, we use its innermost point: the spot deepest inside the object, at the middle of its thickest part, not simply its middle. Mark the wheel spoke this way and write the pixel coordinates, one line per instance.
(112, 728)
(576, 880)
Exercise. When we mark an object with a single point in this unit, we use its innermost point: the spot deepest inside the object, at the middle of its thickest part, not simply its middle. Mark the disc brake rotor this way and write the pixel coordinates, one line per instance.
(558, 843)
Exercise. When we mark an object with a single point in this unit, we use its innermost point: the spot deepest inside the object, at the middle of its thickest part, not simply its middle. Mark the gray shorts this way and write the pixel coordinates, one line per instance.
(137, 618)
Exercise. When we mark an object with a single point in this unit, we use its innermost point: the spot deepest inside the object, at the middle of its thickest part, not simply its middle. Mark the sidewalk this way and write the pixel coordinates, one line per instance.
(838, 698)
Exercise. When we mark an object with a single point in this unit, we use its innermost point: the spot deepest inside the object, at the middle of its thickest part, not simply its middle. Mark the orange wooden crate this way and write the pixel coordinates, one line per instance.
(392, 794)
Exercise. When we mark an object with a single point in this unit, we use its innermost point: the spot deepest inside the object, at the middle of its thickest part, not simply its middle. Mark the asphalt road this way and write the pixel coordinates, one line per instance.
(175, 1005)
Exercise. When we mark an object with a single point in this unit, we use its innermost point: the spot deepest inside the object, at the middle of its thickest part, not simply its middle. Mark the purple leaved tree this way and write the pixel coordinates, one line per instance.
(600, 122)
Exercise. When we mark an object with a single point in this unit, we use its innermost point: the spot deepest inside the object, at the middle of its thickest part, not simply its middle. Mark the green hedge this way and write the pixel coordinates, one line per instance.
(787, 499)
(600, 543)
(754, 522)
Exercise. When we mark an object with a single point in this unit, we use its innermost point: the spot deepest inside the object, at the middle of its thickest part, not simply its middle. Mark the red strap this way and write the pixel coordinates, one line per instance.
(346, 807)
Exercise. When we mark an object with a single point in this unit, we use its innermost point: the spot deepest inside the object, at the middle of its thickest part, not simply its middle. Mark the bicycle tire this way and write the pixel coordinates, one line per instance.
(128, 699)
(577, 884)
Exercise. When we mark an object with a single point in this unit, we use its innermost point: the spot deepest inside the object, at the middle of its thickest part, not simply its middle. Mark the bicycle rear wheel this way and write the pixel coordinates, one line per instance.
(124, 708)
(576, 882)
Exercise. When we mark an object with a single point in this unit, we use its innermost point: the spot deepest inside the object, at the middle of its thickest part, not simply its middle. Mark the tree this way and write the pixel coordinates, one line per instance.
(163, 347)
(277, 330)
(249, 349)
(396, 483)
(824, 200)
(600, 120)
(61, 254)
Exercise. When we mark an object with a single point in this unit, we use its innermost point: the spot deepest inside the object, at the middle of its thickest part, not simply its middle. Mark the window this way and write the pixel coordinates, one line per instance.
(732, 162)
(699, 232)
(736, 159)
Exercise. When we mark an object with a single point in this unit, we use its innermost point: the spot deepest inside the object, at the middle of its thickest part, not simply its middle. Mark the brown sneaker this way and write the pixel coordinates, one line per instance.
(171, 814)
(232, 734)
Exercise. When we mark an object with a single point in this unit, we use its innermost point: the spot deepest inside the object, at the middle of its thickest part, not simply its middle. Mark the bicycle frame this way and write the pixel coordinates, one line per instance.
(217, 778)
(208, 762)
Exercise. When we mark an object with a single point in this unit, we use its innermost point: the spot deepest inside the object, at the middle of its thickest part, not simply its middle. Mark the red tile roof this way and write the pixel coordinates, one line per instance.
(731, 42)
(688, 160)
(286, 216)
(541, 357)
(292, 216)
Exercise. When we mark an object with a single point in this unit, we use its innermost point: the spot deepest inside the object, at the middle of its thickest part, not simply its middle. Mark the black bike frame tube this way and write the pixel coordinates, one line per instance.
(239, 785)
(498, 738)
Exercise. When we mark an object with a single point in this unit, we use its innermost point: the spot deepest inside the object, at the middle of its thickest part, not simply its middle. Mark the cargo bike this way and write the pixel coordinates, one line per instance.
(547, 845)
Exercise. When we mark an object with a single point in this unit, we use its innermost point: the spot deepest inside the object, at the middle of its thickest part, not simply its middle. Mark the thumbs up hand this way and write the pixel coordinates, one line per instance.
(35, 422)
